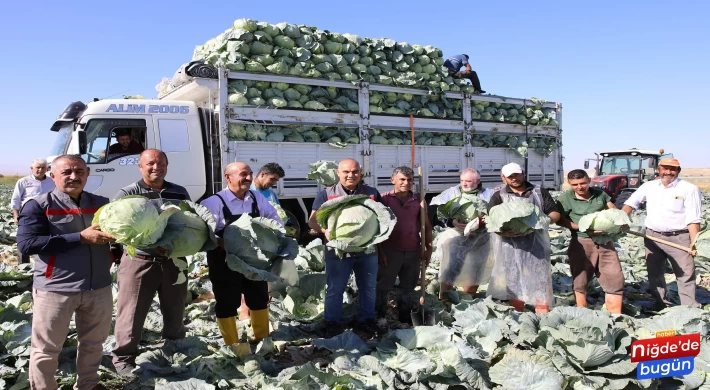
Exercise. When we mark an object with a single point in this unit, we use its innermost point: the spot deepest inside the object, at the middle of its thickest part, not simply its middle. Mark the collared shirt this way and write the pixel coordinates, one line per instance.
(574, 208)
(548, 203)
(669, 208)
(238, 206)
(268, 193)
(27, 188)
(406, 233)
(454, 63)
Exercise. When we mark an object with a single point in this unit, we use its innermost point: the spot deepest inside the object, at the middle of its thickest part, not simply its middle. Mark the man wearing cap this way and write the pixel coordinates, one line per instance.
(674, 213)
(522, 273)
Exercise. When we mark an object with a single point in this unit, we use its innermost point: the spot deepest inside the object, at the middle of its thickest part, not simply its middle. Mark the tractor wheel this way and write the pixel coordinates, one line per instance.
(623, 197)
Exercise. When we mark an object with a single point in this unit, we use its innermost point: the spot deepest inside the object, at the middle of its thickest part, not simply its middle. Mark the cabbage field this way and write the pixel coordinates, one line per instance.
(477, 344)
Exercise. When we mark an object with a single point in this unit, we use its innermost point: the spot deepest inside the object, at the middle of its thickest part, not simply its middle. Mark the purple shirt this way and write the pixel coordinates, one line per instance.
(406, 233)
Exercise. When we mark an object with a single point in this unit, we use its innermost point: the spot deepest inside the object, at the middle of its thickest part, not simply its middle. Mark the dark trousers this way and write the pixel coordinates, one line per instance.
(138, 281)
(471, 75)
(228, 287)
(404, 264)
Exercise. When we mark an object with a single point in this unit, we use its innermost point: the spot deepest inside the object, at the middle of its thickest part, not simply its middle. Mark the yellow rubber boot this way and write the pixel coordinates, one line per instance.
(260, 324)
(228, 328)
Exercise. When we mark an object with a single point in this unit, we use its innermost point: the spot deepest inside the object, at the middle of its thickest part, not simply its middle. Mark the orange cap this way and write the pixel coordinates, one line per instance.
(670, 162)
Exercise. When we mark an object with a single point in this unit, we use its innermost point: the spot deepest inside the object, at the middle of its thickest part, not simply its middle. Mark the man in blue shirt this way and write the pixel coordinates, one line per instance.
(266, 178)
(454, 64)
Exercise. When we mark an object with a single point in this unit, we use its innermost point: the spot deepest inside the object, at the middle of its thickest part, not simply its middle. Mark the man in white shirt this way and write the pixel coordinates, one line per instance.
(674, 213)
(27, 188)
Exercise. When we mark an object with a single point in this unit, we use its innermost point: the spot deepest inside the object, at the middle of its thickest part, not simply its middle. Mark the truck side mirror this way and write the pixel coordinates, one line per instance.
(77, 144)
(586, 164)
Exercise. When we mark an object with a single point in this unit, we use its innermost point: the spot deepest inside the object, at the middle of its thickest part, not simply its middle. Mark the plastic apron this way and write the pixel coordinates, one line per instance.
(465, 260)
(522, 269)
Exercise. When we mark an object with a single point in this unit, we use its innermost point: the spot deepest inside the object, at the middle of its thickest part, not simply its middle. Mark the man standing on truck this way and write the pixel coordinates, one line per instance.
(673, 213)
(454, 64)
(266, 178)
(451, 268)
(149, 272)
(401, 253)
(29, 187)
(587, 258)
(71, 276)
(338, 270)
(228, 286)
(522, 272)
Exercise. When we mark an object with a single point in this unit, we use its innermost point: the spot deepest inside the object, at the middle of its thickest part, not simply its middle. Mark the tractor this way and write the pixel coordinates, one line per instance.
(620, 173)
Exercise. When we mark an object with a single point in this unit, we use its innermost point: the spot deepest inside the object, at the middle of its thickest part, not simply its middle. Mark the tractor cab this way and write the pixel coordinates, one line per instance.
(621, 172)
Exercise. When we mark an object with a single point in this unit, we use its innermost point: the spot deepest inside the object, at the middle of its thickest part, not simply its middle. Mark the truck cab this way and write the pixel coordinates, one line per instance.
(92, 130)
(621, 172)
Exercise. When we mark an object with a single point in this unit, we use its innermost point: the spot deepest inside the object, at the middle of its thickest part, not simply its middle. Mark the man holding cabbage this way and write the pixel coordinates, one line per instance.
(149, 271)
(464, 253)
(520, 214)
(71, 275)
(350, 249)
(228, 286)
(401, 253)
(590, 252)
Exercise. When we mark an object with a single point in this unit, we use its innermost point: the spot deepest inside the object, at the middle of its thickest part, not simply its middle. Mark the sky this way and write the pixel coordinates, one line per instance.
(628, 74)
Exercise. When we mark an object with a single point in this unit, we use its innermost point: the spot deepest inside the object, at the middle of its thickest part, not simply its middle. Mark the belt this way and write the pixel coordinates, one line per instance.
(671, 233)
(156, 259)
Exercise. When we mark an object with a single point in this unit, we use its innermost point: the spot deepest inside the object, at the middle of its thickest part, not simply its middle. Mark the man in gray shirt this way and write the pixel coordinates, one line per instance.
(454, 64)
(148, 272)
(29, 187)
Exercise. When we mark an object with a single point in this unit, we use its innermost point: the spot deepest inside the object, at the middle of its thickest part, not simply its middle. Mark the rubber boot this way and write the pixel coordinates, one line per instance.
(230, 334)
(260, 324)
(613, 303)
(581, 299)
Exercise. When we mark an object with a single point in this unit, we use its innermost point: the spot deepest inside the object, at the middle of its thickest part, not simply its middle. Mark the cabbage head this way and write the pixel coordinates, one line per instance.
(356, 223)
(465, 208)
(196, 227)
(323, 172)
(608, 221)
(255, 245)
(516, 217)
(134, 221)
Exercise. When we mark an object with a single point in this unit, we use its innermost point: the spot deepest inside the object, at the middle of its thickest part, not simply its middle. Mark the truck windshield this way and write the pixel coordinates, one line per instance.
(625, 164)
(62, 141)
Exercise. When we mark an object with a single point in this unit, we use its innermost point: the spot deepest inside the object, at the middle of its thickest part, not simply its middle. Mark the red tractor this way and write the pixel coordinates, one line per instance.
(620, 173)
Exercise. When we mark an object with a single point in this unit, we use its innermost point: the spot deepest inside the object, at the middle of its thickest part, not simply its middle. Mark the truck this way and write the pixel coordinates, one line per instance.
(191, 125)
(620, 173)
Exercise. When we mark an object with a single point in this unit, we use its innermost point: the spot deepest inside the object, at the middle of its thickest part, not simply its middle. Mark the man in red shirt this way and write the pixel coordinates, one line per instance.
(401, 254)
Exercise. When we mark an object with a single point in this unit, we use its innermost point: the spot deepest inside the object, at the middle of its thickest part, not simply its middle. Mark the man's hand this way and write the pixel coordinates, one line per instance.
(93, 236)
(327, 234)
(625, 228)
(16, 216)
(573, 226)
(458, 224)
(508, 234)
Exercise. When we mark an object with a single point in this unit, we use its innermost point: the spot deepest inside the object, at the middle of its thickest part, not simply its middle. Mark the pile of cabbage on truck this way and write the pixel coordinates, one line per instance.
(304, 51)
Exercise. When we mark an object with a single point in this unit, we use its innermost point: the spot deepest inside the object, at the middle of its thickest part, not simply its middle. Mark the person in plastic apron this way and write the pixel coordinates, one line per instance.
(228, 287)
(522, 271)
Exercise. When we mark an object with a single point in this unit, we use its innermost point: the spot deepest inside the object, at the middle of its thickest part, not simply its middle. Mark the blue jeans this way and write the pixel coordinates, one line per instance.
(337, 273)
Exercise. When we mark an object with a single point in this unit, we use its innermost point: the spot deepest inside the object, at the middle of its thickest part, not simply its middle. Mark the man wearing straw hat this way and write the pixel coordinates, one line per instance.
(674, 213)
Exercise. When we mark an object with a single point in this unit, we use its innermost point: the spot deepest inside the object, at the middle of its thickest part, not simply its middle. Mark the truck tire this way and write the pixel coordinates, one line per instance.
(623, 197)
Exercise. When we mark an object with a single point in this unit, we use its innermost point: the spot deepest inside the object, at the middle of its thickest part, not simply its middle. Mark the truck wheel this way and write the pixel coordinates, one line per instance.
(623, 197)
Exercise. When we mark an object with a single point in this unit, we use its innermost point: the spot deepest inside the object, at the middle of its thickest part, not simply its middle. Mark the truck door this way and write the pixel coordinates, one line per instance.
(111, 166)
